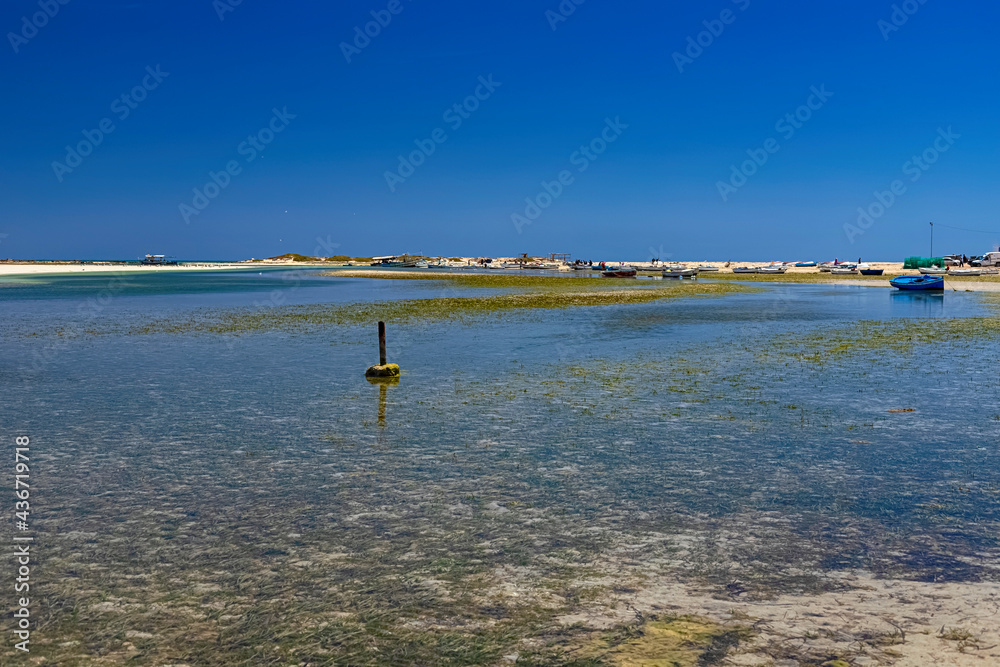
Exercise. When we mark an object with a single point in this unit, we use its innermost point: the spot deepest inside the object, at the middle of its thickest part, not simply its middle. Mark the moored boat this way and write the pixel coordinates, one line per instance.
(918, 282)
(805, 264)
(707, 268)
(620, 272)
(774, 268)
(844, 271)
(966, 272)
(395, 262)
(679, 272)
(933, 271)
(157, 260)
(745, 269)
(869, 271)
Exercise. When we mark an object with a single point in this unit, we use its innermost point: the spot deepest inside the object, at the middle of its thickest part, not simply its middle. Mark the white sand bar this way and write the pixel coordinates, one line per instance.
(31, 268)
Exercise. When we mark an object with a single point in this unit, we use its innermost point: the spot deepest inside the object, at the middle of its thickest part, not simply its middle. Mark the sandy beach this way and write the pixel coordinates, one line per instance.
(36, 268)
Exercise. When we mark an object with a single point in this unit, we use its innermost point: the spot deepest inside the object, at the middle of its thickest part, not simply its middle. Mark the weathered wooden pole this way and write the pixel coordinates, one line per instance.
(381, 344)
(384, 368)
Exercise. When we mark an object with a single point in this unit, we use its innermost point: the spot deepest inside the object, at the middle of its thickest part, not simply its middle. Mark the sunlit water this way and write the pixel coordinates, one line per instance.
(188, 460)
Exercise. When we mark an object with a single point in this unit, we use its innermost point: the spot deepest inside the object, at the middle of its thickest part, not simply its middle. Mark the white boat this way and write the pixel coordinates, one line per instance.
(845, 271)
(966, 272)
(772, 269)
(745, 269)
(707, 268)
(933, 271)
(679, 272)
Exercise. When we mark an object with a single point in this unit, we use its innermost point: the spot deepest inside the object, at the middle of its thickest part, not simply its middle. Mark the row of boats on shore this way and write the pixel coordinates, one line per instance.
(672, 271)
(921, 282)
(775, 268)
(931, 278)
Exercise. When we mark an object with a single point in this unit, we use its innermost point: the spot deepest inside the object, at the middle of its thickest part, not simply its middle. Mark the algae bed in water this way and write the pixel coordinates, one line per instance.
(212, 500)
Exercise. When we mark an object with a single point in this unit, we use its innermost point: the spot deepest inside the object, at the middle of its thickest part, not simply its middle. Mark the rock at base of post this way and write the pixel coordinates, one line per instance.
(387, 371)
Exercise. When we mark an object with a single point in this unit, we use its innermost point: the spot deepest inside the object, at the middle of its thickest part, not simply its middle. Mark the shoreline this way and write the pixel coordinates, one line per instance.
(802, 275)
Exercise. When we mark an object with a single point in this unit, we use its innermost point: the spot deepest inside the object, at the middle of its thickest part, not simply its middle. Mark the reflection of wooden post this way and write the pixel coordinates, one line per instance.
(381, 404)
(381, 344)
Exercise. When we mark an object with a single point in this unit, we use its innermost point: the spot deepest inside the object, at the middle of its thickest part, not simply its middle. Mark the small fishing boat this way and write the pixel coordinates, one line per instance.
(805, 264)
(394, 262)
(157, 260)
(844, 271)
(620, 272)
(933, 271)
(827, 267)
(869, 271)
(679, 272)
(745, 269)
(966, 272)
(775, 268)
(707, 267)
(918, 282)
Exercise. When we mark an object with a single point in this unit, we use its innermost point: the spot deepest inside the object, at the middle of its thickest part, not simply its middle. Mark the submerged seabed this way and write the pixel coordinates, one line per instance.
(214, 500)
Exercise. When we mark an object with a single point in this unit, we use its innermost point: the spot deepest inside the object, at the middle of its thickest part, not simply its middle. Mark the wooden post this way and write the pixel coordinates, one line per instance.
(381, 344)
(383, 369)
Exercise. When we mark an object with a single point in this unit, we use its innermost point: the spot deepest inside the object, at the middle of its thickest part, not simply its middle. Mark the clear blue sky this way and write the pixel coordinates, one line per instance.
(656, 186)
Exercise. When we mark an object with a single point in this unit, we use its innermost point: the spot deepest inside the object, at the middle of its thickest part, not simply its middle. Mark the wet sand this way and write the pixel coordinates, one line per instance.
(875, 622)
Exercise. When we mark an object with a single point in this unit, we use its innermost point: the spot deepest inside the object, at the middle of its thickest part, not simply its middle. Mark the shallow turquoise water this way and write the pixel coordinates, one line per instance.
(659, 418)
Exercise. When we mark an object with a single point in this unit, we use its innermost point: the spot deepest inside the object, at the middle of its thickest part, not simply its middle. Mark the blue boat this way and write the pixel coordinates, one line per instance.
(802, 264)
(918, 282)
